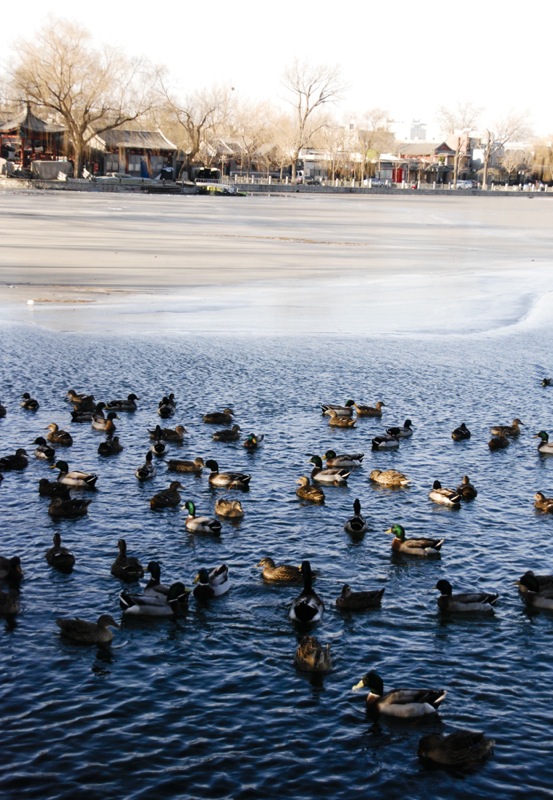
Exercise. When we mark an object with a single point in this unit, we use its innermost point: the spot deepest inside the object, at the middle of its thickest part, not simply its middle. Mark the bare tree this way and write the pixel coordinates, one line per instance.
(252, 128)
(311, 88)
(516, 161)
(90, 90)
(373, 137)
(457, 123)
(512, 127)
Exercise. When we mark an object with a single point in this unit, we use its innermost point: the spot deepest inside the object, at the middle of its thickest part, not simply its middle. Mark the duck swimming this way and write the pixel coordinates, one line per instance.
(110, 447)
(512, 430)
(389, 477)
(339, 421)
(464, 602)
(252, 441)
(60, 557)
(59, 437)
(461, 433)
(399, 703)
(498, 443)
(155, 604)
(404, 431)
(385, 442)
(105, 424)
(357, 524)
(10, 571)
(414, 547)
(223, 417)
(535, 594)
(182, 465)
(211, 584)
(444, 497)
(44, 451)
(124, 405)
(175, 434)
(466, 490)
(166, 407)
(227, 435)
(543, 503)
(200, 524)
(345, 460)
(167, 498)
(16, 461)
(311, 656)
(68, 508)
(229, 480)
(370, 411)
(80, 631)
(309, 492)
(283, 573)
(76, 478)
(359, 601)
(459, 749)
(126, 568)
(545, 447)
(147, 470)
(334, 476)
(29, 403)
(338, 410)
(230, 509)
(308, 606)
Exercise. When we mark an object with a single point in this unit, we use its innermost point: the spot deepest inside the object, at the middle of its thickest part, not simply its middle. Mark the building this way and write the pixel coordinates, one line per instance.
(25, 139)
(142, 154)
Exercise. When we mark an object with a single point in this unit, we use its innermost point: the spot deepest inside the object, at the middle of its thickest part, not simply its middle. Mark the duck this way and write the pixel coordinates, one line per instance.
(147, 470)
(512, 430)
(308, 606)
(404, 431)
(230, 509)
(9, 603)
(44, 451)
(545, 382)
(334, 476)
(443, 496)
(57, 436)
(182, 465)
(536, 593)
(337, 421)
(539, 582)
(124, 405)
(461, 749)
(359, 601)
(466, 490)
(543, 503)
(330, 409)
(84, 402)
(385, 442)
(81, 631)
(356, 524)
(311, 656)
(212, 583)
(461, 433)
(399, 703)
(414, 547)
(545, 446)
(281, 573)
(465, 602)
(167, 498)
(166, 408)
(2, 411)
(498, 443)
(85, 415)
(155, 604)
(29, 403)
(110, 447)
(60, 557)
(389, 477)
(105, 424)
(223, 417)
(75, 478)
(68, 508)
(344, 460)
(252, 441)
(227, 435)
(158, 448)
(370, 411)
(309, 492)
(98, 417)
(154, 585)
(175, 434)
(126, 568)
(229, 480)
(48, 488)
(200, 524)
(15, 461)
(10, 571)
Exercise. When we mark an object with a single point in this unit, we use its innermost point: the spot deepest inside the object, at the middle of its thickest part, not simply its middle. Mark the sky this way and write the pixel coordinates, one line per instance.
(407, 58)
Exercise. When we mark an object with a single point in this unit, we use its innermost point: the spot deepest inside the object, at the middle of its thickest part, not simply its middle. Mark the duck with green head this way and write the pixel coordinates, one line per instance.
(399, 703)
(545, 447)
(475, 602)
(200, 524)
(422, 546)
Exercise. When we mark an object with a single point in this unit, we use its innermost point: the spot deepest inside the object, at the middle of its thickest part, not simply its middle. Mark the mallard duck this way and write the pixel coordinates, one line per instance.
(110, 447)
(76, 478)
(334, 409)
(227, 435)
(401, 431)
(212, 583)
(465, 602)
(105, 424)
(344, 460)
(461, 433)
(155, 604)
(16, 461)
(385, 442)
(507, 430)
(413, 547)
(536, 593)
(369, 411)
(126, 568)
(401, 703)
(175, 434)
(48, 488)
(443, 496)
(166, 408)
(10, 571)
(147, 470)
(498, 443)
(59, 437)
(68, 508)
(230, 480)
(252, 441)
(311, 656)
(60, 557)
(98, 417)
(124, 405)
(223, 417)
(389, 477)
(181, 465)
(81, 415)
(9, 603)
(283, 573)
(545, 446)
(29, 403)
(337, 421)
(167, 498)
(80, 631)
(200, 524)
(459, 749)
(307, 491)
(359, 601)
(539, 582)
(44, 451)
(230, 509)
(85, 402)
(466, 490)
(158, 448)
(334, 476)
(543, 503)
(356, 524)
(154, 585)
(546, 381)
(308, 606)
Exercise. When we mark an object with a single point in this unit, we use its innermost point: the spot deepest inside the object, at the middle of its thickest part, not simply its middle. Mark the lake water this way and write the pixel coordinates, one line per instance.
(211, 705)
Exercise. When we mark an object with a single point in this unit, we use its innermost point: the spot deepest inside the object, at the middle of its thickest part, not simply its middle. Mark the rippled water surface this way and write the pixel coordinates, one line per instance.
(211, 705)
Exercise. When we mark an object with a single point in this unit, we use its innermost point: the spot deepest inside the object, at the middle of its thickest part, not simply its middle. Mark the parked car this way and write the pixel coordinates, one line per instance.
(467, 184)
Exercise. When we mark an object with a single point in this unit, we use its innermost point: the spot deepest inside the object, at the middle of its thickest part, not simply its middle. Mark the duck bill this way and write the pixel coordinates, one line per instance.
(358, 686)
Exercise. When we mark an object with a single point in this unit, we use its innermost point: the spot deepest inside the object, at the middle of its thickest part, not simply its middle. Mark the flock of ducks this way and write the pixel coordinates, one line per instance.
(162, 600)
